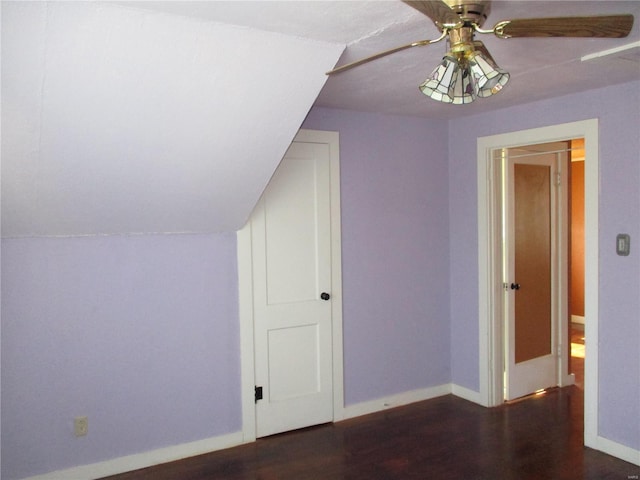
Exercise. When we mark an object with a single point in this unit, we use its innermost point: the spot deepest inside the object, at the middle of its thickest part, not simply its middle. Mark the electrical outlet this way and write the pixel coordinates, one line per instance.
(80, 426)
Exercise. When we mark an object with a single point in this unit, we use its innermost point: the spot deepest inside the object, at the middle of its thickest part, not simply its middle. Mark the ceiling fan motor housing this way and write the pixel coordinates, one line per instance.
(461, 43)
(471, 12)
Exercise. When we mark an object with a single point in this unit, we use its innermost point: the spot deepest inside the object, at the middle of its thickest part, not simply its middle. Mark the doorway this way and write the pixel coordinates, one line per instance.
(289, 268)
(490, 283)
(542, 185)
(576, 264)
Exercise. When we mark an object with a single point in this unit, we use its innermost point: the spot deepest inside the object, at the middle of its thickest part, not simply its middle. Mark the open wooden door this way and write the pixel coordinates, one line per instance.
(531, 268)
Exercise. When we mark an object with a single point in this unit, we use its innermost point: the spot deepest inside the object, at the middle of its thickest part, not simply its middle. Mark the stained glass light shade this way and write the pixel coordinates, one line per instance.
(439, 85)
(450, 82)
(488, 78)
(463, 89)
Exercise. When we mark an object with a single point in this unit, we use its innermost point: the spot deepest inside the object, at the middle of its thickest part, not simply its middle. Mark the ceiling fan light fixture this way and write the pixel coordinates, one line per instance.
(439, 85)
(488, 77)
(463, 86)
(451, 82)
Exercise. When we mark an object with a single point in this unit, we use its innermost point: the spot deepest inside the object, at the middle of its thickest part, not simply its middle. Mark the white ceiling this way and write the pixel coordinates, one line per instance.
(138, 117)
(539, 67)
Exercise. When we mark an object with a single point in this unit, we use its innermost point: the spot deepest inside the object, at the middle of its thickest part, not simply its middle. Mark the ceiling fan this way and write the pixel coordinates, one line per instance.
(467, 70)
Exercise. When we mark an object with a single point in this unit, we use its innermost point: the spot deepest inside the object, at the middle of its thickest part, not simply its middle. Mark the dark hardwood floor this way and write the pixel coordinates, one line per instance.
(444, 438)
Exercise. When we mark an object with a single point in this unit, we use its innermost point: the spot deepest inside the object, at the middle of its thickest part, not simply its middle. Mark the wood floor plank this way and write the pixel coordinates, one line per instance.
(441, 439)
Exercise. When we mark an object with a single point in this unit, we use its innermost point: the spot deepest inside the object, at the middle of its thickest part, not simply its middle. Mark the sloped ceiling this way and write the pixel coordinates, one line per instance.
(118, 120)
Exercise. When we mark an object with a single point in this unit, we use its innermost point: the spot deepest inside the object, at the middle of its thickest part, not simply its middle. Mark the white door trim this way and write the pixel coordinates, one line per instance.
(245, 295)
(489, 279)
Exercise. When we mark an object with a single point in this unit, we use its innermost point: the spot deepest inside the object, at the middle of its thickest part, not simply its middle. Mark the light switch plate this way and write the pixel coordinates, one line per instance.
(80, 426)
(623, 244)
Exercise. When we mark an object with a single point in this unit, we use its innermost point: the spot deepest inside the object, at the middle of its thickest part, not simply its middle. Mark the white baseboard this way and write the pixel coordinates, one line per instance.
(467, 394)
(143, 460)
(186, 450)
(396, 400)
(616, 449)
(569, 379)
(178, 452)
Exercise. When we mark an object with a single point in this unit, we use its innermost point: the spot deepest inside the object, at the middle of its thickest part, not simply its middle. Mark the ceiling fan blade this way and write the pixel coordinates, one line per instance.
(438, 11)
(606, 26)
(381, 54)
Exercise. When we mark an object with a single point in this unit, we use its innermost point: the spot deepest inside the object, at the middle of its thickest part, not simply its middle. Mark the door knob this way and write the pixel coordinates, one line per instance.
(325, 296)
(515, 286)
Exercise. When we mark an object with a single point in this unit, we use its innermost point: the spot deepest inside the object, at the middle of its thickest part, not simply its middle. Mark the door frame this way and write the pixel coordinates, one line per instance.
(245, 295)
(490, 313)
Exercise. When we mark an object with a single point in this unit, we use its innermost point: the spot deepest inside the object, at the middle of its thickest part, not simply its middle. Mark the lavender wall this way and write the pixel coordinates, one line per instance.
(394, 249)
(140, 333)
(618, 111)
